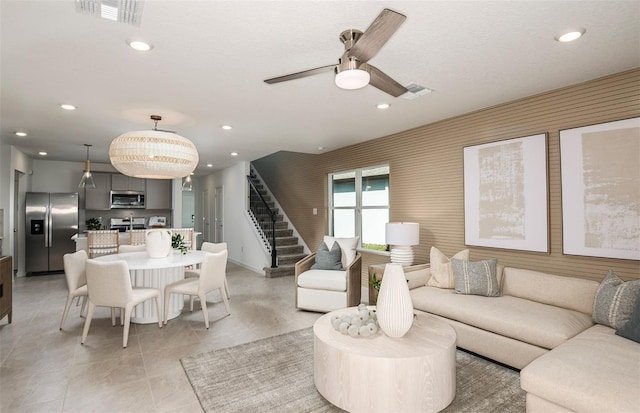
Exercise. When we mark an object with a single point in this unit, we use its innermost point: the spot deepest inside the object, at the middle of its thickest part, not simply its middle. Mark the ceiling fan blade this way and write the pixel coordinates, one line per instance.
(383, 82)
(299, 75)
(377, 34)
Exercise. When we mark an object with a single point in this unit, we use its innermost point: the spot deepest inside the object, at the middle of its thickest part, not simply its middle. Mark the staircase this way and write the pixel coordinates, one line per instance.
(287, 248)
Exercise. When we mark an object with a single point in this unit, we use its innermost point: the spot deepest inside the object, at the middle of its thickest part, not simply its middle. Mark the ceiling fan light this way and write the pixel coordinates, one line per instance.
(352, 79)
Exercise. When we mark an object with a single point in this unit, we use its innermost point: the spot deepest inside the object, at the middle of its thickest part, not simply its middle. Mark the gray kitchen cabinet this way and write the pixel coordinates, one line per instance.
(158, 195)
(100, 197)
(121, 182)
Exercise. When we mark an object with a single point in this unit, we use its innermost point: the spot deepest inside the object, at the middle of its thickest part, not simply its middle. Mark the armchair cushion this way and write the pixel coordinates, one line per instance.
(328, 259)
(323, 280)
(348, 246)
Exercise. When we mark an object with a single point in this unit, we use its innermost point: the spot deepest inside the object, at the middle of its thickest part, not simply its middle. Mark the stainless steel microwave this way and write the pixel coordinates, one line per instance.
(127, 199)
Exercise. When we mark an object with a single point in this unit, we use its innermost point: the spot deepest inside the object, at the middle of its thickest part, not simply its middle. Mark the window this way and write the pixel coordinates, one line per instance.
(359, 205)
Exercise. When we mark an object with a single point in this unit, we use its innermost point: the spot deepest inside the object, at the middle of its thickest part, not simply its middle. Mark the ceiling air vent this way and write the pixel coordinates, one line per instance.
(414, 91)
(124, 11)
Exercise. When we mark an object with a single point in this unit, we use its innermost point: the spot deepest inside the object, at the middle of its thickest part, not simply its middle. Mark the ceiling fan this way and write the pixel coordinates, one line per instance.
(352, 70)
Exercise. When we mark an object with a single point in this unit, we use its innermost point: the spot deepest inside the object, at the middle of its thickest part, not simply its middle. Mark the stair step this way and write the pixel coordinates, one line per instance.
(266, 227)
(286, 240)
(281, 271)
(290, 259)
(289, 249)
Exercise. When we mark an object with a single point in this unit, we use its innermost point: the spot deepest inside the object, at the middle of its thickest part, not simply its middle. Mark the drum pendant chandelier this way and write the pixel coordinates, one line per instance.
(154, 154)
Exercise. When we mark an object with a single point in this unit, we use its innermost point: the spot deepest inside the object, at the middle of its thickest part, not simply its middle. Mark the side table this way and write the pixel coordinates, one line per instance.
(414, 373)
(378, 271)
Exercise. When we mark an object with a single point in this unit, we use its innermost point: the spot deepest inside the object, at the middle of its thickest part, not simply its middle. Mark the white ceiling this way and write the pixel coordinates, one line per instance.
(211, 57)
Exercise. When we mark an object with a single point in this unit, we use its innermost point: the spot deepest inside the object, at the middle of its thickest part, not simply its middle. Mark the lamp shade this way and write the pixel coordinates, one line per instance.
(153, 154)
(402, 233)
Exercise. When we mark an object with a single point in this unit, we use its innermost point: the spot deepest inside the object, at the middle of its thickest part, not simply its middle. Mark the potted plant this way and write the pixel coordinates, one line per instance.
(93, 224)
(375, 283)
(177, 243)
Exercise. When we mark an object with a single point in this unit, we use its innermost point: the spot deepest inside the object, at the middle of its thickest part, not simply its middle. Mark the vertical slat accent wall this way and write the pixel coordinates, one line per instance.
(426, 173)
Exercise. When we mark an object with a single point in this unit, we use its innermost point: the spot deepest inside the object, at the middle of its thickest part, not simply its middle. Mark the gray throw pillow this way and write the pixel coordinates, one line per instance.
(328, 259)
(631, 329)
(615, 300)
(476, 277)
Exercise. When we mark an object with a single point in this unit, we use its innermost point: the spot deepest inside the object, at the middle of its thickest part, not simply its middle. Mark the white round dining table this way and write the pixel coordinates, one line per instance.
(157, 273)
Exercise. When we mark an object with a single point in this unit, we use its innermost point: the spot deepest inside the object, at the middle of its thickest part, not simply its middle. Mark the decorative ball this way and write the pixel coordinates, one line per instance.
(344, 327)
(360, 324)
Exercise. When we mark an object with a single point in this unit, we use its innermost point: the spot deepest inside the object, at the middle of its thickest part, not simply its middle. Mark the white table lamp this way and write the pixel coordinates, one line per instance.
(401, 236)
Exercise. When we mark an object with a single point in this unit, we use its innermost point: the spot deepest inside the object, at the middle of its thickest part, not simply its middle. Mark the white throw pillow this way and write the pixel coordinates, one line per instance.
(348, 246)
(441, 270)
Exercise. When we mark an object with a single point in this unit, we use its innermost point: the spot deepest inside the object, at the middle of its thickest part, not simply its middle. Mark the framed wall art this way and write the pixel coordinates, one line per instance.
(600, 169)
(506, 194)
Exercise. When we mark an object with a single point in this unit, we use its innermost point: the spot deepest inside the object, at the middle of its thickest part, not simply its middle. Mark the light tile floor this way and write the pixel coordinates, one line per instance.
(43, 369)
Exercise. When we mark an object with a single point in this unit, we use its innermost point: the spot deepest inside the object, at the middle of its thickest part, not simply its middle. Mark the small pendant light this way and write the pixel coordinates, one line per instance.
(87, 178)
(187, 185)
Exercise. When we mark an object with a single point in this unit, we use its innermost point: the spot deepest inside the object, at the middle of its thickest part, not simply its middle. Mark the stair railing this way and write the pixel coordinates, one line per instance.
(258, 206)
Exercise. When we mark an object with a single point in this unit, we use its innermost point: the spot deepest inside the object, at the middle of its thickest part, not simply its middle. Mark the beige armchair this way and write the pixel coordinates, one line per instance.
(325, 290)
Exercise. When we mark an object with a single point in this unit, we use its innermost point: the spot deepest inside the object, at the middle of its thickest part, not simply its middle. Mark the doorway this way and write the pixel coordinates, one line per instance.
(218, 212)
(18, 223)
(206, 216)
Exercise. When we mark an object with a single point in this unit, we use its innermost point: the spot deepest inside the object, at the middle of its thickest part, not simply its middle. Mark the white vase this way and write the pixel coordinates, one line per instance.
(394, 307)
(158, 243)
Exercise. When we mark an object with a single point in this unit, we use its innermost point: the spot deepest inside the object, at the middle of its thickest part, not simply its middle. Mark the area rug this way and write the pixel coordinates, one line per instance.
(276, 375)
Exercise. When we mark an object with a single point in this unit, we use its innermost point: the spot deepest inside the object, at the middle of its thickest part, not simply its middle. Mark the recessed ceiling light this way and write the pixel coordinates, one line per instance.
(139, 45)
(321, 148)
(209, 165)
(42, 153)
(21, 133)
(226, 127)
(67, 106)
(383, 105)
(234, 153)
(570, 35)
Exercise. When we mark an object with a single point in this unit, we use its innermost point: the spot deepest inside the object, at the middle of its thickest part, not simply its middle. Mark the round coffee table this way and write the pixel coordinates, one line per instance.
(414, 373)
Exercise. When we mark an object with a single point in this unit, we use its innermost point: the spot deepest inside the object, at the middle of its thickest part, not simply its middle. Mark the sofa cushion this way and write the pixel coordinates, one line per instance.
(441, 271)
(417, 278)
(539, 324)
(323, 280)
(476, 277)
(631, 329)
(566, 292)
(328, 259)
(615, 300)
(596, 371)
(348, 246)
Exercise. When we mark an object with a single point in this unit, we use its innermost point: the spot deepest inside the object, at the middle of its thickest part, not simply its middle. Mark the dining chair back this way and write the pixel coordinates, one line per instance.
(212, 276)
(213, 247)
(109, 285)
(208, 247)
(102, 242)
(132, 248)
(188, 236)
(212, 271)
(137, 236)
(74, 271)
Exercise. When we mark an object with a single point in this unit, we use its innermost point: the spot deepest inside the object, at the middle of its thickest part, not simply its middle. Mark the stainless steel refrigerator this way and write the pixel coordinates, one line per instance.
(52, 219)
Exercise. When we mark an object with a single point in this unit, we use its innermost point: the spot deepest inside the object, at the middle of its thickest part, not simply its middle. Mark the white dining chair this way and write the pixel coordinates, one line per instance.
(109, 285)
(194, 273)
(212, 274)
(74, 272)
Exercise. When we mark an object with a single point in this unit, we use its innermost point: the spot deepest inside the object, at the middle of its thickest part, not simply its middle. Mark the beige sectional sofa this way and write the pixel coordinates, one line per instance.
(542, 324)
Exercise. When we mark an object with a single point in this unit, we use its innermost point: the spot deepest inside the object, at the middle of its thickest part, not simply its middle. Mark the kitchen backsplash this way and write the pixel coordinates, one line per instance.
(105, 216)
